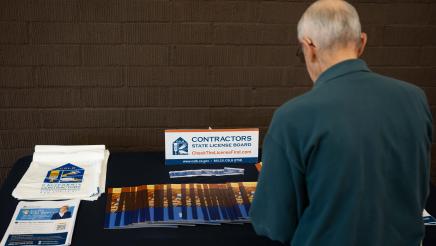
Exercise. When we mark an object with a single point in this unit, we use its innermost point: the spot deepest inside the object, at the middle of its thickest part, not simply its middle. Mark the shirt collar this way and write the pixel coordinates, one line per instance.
(340, 69)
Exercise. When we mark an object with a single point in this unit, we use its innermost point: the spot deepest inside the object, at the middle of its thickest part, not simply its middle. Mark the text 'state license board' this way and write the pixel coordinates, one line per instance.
(223, 146)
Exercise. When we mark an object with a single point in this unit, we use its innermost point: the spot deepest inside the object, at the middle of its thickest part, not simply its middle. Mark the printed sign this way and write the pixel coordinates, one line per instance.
(211, 146)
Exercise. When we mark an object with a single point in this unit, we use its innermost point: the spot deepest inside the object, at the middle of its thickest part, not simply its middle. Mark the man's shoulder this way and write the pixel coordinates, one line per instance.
(402, 85)
(299, 104)
(296, 109)
(306, 107)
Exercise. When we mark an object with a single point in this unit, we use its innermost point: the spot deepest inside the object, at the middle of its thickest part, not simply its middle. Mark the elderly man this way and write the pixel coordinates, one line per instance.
(346, 164)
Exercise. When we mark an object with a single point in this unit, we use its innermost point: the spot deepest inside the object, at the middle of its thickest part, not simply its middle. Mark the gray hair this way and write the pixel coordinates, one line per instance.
(330, 23)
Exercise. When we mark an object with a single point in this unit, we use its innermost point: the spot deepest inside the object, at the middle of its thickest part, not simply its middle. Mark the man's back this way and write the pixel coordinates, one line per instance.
(351, 157)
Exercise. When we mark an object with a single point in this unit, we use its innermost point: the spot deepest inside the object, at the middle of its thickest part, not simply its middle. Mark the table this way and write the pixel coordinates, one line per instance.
(130, 169)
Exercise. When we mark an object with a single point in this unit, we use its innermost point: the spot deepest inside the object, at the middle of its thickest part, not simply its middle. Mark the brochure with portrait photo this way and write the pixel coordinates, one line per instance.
(42, 223)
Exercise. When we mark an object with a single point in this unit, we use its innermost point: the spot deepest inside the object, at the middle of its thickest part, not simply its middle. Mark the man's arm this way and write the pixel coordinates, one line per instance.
(280, 195)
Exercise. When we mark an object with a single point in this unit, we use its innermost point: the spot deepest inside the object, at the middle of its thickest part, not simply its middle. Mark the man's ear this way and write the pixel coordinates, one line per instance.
(310, 53)
(363, 40)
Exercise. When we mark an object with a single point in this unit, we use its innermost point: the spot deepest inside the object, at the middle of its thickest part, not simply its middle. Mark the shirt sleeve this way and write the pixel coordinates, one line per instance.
(280, 194)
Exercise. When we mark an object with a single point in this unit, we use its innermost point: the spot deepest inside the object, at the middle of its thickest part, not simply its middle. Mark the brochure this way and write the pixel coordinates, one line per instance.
(428, 219)
(171, 205)
(42, 223)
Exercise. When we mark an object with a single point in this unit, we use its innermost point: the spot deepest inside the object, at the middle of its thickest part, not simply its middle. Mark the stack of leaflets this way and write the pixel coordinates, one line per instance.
(42, 223)
(227, 171)
(172, 205)
(428, 219)
(64, 172)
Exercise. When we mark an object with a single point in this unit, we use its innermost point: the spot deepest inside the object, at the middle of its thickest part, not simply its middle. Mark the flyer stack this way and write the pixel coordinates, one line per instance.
(173, 205)
(64, 172)
(42, 223)
(227, 171)
(428, 218)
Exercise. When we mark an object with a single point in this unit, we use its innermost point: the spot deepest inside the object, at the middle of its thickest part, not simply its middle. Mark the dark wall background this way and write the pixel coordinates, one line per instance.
(118, 72)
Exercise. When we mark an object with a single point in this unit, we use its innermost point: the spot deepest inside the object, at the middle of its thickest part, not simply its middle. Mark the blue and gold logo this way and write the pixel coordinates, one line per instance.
(67, 173)
(180, 147)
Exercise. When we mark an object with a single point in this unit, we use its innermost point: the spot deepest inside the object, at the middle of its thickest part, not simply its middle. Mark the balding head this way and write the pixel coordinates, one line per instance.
(329, 32)
(330, 24)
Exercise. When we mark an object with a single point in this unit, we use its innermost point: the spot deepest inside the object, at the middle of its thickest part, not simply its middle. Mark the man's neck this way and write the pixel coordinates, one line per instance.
(331, 59)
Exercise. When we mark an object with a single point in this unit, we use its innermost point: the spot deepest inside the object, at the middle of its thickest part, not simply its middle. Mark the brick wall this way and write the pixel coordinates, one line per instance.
(119, 72)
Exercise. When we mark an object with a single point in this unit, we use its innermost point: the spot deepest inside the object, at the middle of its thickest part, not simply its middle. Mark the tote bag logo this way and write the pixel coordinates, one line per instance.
(180, 147)
(67, 173)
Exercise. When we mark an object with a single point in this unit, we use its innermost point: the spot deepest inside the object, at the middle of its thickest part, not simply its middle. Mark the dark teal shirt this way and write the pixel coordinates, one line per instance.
(346, 164)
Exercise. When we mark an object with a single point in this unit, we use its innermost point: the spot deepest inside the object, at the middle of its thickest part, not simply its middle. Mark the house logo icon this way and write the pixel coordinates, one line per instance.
(67, 173)
(180, 147)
